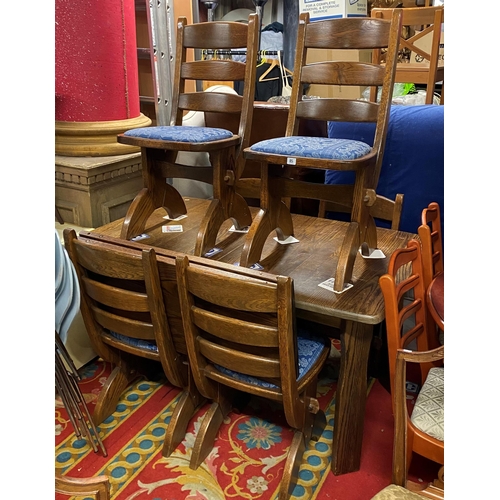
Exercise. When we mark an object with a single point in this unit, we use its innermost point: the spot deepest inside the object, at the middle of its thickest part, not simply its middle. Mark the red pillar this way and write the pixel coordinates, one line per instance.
(97, 89)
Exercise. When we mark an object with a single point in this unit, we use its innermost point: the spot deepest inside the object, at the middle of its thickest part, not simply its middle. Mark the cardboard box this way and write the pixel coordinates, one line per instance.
(342, 91)
(328, 9)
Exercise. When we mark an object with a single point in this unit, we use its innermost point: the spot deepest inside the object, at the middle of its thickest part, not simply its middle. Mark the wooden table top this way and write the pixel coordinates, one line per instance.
(309, 262)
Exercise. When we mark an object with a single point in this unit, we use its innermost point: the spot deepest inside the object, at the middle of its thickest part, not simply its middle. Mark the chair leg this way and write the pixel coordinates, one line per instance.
(274, 215)
(292, 466)
(186, 407)
(227, 204)
(118, 381)
(144, 205)
(208, 432)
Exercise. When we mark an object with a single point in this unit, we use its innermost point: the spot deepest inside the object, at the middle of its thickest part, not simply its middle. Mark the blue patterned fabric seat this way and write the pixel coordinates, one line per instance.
(139, 343)
(313, 147)
(180, 133)
(309, 350)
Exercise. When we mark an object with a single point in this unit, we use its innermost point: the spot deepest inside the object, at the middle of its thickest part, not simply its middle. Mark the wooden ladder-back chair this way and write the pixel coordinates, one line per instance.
(97, 487)
(402, 487)
(407, 330)
(124, 313)
(384, 209)
(296, 151)
(161, 144)
(241, 336)
(419, 47)
(431, 238)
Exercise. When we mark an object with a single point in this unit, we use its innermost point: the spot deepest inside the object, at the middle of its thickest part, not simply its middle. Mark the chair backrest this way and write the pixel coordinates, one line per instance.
(405, 307)
(121, 304)
(430, 235)
(418, 46)
(216, 36)
(340, 34)
(383, 209)
(244, 325)
(96, 487)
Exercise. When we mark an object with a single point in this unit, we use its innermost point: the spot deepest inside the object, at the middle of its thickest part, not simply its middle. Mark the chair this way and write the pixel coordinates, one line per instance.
(240, 334)
(296, 151)
(97, 487)
(383, 209)
(430, 235)
(124, 312)
(419, 47)
(161, 144)
(402, 488)
(408, 341)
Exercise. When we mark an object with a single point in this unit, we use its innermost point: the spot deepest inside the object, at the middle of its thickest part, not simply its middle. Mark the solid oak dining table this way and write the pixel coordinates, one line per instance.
(310, 262)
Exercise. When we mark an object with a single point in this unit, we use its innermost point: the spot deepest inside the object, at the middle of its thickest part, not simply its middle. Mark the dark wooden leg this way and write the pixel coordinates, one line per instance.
(350, 400)
(274, 215)
(347, 257)
(208, 432)
(186, 407)
(292, 466)
(227, 204)
(109, 396)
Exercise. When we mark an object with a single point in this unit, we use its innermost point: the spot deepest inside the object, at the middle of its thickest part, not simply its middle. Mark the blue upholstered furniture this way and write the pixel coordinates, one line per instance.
(413, 159)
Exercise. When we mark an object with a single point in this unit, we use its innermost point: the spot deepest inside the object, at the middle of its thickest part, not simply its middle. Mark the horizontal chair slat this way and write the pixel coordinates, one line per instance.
(248, 364)
(219, 35)
(340, 35)
(257, 296)
(224, 327)
(211, 101)
(129, 327)
(114, 297)
(343, 73)
(337, 109)
(215, 69)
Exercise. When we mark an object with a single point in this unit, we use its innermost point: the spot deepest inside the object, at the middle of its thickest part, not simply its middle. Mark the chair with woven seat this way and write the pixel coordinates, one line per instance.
(125, 315)
(160, 145)
(277, 156)
(419, 47)
(241, 336)
(408, 340)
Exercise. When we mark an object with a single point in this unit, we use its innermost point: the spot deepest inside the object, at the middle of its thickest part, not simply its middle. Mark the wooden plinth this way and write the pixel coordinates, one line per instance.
(93, 191)
(95, 138)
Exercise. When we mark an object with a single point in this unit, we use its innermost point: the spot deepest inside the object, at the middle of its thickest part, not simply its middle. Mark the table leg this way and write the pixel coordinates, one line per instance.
(350, 400)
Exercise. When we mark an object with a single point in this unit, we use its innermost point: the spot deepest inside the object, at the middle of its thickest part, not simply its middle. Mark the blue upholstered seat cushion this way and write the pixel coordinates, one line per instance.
(180, 133)
(309, 350)
(314, 147)
(139, 343)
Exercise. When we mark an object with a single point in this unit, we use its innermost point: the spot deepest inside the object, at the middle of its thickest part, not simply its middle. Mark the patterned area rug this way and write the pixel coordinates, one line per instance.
(246, 461)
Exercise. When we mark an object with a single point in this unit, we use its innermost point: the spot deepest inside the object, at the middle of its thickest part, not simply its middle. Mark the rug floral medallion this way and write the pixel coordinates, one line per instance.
(246, 461)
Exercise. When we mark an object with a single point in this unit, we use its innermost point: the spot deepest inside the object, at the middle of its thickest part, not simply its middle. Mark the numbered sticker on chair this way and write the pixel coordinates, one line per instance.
(291, 161)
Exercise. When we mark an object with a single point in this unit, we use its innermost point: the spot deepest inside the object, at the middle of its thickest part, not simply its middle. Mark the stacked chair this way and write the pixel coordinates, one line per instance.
(124, 310)
(97, 488)
(279, 157)
(241, 336)
(409, 339)
(160, 145)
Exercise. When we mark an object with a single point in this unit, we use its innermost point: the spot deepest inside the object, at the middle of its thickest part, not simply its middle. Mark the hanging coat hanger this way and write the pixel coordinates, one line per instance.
(273, 64)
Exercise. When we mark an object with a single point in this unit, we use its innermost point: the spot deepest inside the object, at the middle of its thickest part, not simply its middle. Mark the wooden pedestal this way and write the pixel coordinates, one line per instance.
(93, 191)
